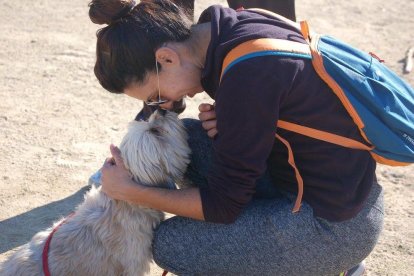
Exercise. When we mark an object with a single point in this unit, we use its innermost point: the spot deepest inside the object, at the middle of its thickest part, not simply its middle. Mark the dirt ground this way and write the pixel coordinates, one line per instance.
(56, 122)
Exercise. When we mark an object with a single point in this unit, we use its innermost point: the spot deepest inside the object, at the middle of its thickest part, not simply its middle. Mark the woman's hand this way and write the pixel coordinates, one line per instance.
(116, 179)
(118, 184)
(207, 116)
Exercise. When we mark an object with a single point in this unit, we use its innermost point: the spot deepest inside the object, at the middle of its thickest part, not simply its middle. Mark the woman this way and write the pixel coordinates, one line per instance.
(238, 218)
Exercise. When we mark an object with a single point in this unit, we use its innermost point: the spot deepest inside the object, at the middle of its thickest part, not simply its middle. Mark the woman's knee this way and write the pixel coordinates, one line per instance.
(162, 244)
(171, 244)
(356, 238)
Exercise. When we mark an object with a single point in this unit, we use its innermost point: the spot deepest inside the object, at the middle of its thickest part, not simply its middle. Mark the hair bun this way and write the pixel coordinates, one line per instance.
(107, 11)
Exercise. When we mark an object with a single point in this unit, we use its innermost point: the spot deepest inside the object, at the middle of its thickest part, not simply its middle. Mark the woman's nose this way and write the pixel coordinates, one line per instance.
(168, 105)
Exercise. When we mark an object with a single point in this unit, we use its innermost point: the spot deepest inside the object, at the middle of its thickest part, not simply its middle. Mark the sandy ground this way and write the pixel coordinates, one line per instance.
(56, 122)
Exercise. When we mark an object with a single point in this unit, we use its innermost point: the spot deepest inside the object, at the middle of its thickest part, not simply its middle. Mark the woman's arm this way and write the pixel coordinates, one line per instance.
(117, 184)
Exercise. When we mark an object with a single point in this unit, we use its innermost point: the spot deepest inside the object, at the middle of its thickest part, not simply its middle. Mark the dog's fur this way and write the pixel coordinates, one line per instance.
(106, 236)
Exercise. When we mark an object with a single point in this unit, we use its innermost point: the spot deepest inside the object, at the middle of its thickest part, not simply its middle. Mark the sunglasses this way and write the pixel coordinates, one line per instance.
(159, 101)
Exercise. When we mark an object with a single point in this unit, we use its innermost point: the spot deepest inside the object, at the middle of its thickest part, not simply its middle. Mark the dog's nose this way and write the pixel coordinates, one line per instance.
(145, 113)
(161, 111)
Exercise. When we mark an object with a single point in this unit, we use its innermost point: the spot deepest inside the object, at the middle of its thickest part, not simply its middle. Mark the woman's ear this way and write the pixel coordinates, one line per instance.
(167, 57)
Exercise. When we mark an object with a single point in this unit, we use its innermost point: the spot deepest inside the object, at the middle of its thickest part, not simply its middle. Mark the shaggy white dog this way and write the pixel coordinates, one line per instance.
(106, 236)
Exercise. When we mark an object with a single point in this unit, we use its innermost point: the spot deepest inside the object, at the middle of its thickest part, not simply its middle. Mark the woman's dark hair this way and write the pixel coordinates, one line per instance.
(125, 49)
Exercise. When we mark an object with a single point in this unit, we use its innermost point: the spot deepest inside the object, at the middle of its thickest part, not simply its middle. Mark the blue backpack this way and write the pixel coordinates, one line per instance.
(380, 103)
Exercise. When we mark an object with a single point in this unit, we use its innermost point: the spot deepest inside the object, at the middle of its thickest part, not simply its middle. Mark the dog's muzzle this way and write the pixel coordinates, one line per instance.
(161, 111)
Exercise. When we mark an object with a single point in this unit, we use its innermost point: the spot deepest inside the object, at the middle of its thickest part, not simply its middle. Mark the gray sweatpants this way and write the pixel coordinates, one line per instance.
(267, 238)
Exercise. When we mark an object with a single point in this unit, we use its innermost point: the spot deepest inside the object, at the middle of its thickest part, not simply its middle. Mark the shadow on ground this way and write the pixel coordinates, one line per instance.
(19, 230)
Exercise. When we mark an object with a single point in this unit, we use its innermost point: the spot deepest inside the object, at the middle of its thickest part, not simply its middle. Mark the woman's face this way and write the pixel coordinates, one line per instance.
(173, 82)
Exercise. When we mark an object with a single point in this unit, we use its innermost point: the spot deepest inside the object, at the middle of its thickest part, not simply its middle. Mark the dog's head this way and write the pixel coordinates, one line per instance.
(156, 152)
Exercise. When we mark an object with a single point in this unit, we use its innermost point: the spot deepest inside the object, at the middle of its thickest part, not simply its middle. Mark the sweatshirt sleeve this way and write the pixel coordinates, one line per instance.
(247, 109)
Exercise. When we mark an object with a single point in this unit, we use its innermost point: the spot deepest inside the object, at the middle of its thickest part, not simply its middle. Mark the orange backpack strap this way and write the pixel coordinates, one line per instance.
(323, 135)
(316, 134)
(264, 46)
(299, 179)
(304, 28)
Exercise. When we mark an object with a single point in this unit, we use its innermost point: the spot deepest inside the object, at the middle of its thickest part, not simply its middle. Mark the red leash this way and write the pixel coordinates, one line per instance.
(47, 245)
